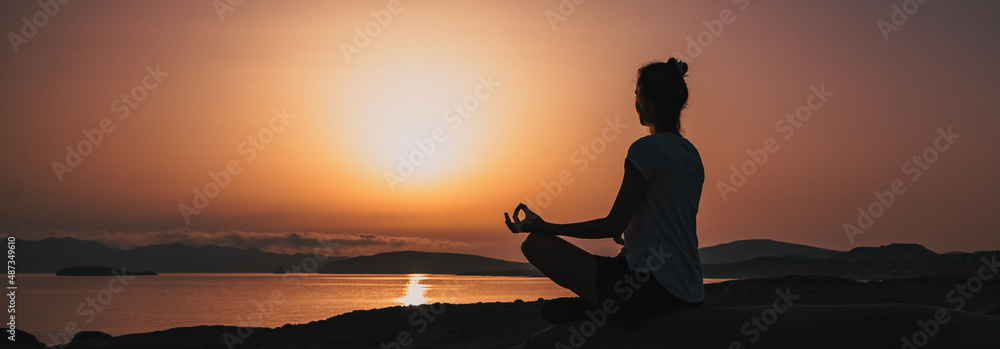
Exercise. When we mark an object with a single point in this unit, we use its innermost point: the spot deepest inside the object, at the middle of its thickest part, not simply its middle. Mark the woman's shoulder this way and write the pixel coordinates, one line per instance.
(662, 145)
(644, 144)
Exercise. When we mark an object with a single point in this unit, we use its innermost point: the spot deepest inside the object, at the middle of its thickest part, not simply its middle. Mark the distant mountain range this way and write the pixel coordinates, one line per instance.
(894, 261)
(413, 262)
(51, 254)
(738, 259)
(99, 271)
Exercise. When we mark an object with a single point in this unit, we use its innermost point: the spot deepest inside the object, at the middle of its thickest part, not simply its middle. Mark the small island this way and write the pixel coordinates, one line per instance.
(99, 271)
(508, 272)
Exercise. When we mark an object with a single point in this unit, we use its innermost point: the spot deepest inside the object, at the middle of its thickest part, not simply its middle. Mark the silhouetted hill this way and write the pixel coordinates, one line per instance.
(99, 271)
(51, 254)
(413, 262)
(863, 263)
(743, 250)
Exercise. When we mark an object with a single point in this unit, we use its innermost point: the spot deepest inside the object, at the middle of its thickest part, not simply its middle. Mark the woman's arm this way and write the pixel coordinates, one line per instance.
(630, 195)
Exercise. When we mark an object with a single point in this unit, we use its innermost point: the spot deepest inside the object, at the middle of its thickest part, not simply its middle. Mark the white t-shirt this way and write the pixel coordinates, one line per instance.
(661, 236)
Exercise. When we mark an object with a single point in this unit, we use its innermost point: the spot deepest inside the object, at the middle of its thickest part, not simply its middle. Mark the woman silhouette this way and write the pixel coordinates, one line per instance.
(658, 269)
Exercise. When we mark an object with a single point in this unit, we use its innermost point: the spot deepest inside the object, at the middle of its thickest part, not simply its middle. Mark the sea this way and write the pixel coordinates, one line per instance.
(53, 308)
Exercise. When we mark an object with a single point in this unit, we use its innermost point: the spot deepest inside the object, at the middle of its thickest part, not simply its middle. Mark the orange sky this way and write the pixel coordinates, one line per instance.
(535, 94)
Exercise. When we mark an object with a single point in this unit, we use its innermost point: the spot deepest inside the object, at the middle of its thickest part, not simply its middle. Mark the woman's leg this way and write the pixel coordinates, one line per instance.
(567, 265)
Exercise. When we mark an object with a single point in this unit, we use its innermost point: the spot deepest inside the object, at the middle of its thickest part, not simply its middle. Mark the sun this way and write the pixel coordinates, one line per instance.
(408, 121)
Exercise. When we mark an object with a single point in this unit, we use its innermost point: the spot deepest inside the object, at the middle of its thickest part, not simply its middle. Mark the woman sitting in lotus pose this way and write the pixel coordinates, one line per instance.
(653, 216)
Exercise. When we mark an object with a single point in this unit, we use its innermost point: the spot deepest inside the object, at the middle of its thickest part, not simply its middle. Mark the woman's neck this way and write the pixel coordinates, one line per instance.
(654, 130)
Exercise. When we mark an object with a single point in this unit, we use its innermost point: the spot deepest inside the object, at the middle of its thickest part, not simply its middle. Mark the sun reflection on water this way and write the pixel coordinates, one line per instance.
(415, 291)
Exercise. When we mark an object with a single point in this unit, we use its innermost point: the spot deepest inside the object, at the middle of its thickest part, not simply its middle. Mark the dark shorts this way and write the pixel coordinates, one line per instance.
(637, 296)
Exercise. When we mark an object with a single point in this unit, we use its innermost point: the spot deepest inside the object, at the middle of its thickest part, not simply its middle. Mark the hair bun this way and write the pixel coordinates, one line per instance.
(679, 66)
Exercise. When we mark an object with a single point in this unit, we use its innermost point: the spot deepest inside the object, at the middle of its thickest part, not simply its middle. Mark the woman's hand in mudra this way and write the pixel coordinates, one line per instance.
(529, 224)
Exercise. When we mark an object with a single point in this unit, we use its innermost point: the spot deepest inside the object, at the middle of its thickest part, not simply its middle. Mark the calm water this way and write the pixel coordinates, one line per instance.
(47, 305)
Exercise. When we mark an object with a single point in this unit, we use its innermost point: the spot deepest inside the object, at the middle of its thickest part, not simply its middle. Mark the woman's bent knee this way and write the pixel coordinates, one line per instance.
(528, 246)
(534, 244)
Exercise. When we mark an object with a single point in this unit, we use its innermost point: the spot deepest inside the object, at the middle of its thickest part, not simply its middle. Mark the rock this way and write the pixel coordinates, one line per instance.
(994, 310)
(22, 340)
(800, 326)
(88, 339)
(88, 335)
(175, 338)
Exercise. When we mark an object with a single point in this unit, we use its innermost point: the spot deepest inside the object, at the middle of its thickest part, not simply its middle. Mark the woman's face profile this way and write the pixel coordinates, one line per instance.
(638, 107)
